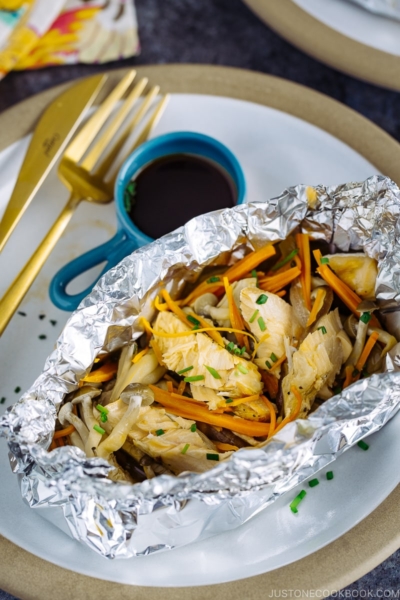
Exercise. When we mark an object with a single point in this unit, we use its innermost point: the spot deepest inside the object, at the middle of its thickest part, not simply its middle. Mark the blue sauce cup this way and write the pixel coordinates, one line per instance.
(129, 237)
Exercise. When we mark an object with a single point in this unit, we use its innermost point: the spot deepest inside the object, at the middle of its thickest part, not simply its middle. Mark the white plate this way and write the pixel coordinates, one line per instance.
(276, 150)
(356, 23)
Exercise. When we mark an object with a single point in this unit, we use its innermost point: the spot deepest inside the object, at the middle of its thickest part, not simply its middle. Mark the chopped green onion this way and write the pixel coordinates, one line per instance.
(185, 448)
(184, 370)
(22, 313)
(294, 504)
(324, 260)
(355, 373)
(213, 372)
(102, 409)
(41, 317)
(238, 352)
(337, 390)
(366, 317)
(243, 350)
(323, 329)
(99, 429)
(313, 483)
(242, 369)
(268, 364)
(3, 400)
(17, 390)
(42, 336)
(273, 357)
(254, 274)
(253, 316)
(195, 328)
(193, 320)
(193, 427)
(160, 432)
(53, 322)
(262, 299)
(230, 347)
(261, 324)
(194, 378)
(212, 456)
(228, 400)
(213, 279)
(103, 418)
(363, 445)
(329, 475)
(284, 261)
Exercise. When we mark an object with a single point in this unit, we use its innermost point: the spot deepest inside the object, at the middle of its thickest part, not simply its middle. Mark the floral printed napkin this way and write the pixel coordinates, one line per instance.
(38, 33)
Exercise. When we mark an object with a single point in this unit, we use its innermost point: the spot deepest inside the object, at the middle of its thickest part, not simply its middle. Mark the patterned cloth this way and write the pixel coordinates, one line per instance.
(38, 33)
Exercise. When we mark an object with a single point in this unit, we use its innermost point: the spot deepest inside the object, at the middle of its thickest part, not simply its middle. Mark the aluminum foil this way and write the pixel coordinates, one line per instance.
(388, 8)
(120, 520)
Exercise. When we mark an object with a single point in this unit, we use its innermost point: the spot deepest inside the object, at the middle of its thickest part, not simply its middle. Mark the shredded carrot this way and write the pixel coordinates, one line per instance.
(189, 411)
(181, 387)
(172, 305)
(239, 401)
(278, 362)
(293, 416)
(367, 350)
(277, 282)
(186, 399)
(149, 328)
(222, 447)
(272, 415)
(318, 304)
(52, 446)
(235, 316)
(157, 351)
(139, 355)
(160, 305)
(63, 432)
(303, 244)
(170, 387)
(281, 293)
(104, 373)
(249, 262)
(60, 442)
(349, 376)
(350, 298)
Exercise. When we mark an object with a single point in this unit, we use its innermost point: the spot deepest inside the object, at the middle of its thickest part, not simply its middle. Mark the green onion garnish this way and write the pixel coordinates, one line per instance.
(329, 475)
(230, 347)
(363, 445)
(243, 350)
(193, 427)
(273, 357)
(160, 432)
(99, 429)
(268, 364)
(262, 299)
(193, 320)
(242, 369)
(42, 336)
(324, 260)
(185, 448)
(253, 316)
(3, 400)
(322, 329)
(238, 352)
(337, 390)
(254, 274)
(103, 418)
(313, 482)
(184, 370)
(102, 409)
(22, 313)
(17, 390)
(294, 504)
(53, 322)
(213, 279)
(228, 400)
(213, 372)
(261, 324)
(194, 378)
(366, 317)
(284, 261)
(212, 456)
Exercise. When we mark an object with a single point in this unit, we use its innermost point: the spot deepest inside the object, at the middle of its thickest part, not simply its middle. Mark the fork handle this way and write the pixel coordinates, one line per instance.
(21, 284)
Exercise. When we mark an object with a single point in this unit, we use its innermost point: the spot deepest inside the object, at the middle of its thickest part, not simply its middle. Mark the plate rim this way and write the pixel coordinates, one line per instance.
(376, 537)
(315, 38)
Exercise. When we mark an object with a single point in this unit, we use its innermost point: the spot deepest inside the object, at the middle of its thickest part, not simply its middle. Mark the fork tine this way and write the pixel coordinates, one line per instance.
(136, 119)
(85, 137)
(98, 148)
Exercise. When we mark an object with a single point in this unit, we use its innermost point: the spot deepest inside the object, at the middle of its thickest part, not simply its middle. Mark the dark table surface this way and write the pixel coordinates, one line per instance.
(225, 32)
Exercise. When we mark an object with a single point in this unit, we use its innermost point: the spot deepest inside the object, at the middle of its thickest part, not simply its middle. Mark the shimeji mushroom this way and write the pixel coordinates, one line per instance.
(146, 371)
(67, 417)
(94, 437)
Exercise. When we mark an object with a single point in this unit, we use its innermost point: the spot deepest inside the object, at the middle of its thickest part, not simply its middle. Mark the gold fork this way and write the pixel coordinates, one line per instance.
(84, 171)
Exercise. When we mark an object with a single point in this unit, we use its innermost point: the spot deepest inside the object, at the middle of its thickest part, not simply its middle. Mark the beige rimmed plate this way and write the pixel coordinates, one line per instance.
(340, 34)
(373, 539)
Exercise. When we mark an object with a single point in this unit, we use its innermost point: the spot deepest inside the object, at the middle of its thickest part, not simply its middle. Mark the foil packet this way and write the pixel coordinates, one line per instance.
(120, 520)
(388, 8)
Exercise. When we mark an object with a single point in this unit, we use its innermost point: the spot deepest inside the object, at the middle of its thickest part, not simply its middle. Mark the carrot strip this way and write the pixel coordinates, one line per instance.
(296, 412)
(104, 373)
(239, 401)
(277, 282)
(349, 376)
(160, 305)
(170, 387)
(281, 293)
(139, 355)
(181, 387)
(173, 306)
(278, 362)
(63, 432)
(272, 415)
(222, 447)
(249, 262)
(52, 446)
(212, 331)
(60, 442)
(318, 304)
(192, 400)
(367, 350)
(235, 316)
(303, 244)
(157, 352)
(190, 411)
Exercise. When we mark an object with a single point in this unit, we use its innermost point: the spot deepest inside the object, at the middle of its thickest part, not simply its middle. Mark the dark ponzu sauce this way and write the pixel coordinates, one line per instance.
(172, 190)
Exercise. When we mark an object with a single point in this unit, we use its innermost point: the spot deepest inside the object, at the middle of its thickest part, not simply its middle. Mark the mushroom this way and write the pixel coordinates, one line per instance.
(389, 341)
(94, 437)
(117, 437)
(66, 416)
(203, 303)
(146, 371)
